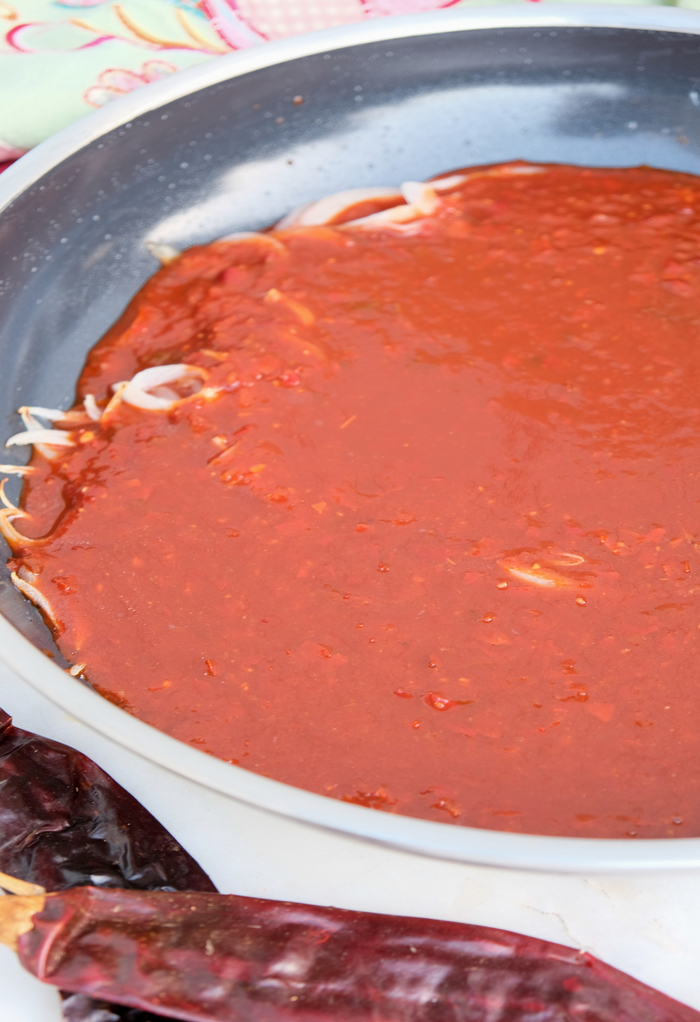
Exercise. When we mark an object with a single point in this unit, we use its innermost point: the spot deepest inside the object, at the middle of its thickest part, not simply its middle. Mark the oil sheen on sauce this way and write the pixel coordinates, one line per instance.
(428, 539)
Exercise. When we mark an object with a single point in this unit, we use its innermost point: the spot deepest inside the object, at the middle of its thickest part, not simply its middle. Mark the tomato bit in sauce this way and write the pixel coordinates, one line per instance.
(421, 532)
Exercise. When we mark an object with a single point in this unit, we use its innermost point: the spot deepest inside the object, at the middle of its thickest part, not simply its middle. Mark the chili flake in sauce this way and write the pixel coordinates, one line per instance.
(416, 527)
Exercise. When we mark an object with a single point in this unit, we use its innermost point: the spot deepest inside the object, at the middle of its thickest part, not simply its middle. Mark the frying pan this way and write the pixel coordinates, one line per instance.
(235, 144)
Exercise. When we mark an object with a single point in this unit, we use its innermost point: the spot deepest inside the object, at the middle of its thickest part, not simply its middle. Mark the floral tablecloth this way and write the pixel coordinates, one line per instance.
(61, 58)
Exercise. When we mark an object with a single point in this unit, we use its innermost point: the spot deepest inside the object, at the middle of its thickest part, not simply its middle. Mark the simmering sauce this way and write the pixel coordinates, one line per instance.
(427, 537)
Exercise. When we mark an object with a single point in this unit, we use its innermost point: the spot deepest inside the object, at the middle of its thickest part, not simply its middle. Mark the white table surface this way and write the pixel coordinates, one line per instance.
(647, 925)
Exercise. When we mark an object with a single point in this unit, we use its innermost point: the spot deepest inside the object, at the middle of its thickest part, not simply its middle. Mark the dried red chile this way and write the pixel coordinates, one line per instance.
(221, 958)
(65, 823)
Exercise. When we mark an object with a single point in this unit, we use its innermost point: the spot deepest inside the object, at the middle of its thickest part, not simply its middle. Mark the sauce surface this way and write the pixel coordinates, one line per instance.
(427, 539)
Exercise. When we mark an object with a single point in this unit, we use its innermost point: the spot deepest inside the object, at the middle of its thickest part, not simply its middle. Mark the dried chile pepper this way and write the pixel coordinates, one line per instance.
(221, 958)
(65, 823)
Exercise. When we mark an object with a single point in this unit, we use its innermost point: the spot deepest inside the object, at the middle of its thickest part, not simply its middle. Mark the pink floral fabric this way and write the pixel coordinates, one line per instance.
(61, 58)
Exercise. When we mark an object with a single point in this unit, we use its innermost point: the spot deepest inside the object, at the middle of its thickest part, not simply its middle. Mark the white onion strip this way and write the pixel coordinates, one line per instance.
(165, 254)
(32, 413)
(28, 420)
(421, 196)
(13, 537)
(50, 414)
(53, 437)
(7, 502)
(46, 440)
(530, 576)
(422, 199)
(17, 470)
(444, 184)
(7, 514)
(37, 598)
(136, 392)
(401, 218)
(507, 171)
(118, 390)
(528, 168)
(91, 408)
(266, 240)
(331, 206)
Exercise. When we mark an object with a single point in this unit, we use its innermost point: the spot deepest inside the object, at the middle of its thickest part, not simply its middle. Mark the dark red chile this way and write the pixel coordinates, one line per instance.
(64, 823)
(220, 958)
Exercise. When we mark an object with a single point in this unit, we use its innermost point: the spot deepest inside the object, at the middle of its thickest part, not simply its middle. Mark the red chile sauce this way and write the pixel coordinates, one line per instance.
(433, 549)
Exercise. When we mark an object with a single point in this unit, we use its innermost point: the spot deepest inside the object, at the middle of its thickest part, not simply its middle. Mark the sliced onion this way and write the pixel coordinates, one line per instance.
(398, 217)
(531, 576)
(508, 171)
(7, 502)
(136, 391)
(165, 254)
(528, 168)
(421, 196)
(51, 414)
(443, 184)
(13, 537)
(91, 408)
(28, 419)
(32, 413)
(37, 598)
(255, 236)
(53, 437)
(331, 206)
(7, 514)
